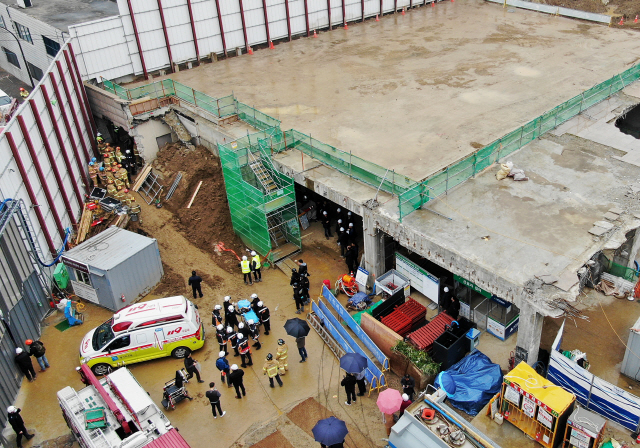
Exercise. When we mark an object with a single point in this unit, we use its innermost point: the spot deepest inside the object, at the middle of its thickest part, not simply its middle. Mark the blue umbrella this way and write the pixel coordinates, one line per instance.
(330, 431)
(353, 362)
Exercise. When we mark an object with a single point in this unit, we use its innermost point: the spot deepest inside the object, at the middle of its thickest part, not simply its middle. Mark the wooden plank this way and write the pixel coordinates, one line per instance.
(194, 194)
(141, 177)
(85, 223)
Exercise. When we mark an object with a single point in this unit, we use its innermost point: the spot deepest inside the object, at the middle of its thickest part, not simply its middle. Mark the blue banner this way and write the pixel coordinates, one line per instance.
(364, 338)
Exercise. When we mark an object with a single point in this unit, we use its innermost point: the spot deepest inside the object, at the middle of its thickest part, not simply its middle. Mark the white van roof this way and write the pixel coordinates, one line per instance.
(148, 312)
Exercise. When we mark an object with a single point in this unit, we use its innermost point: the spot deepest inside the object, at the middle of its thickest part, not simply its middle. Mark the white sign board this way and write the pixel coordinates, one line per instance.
(528, 407)
(422, 280)
(495, 328)
(85, 291)
(544, 417)
(362, 277)
(512, 395)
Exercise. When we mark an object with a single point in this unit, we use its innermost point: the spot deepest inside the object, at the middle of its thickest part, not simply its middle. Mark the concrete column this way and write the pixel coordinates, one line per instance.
(530, 331)
(373, 244)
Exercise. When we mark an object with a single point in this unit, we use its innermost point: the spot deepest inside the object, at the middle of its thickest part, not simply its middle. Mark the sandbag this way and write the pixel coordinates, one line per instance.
(505, 169)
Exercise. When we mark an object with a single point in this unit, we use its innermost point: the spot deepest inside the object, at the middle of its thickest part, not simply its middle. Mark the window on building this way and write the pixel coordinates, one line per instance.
(36, 73)
(11, 57)
(83, 277)
(2, 24)
(51, 46)
(23, 32)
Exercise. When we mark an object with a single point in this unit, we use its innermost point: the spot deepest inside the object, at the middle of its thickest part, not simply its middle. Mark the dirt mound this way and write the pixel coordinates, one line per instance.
(172, 283)
(208, 221)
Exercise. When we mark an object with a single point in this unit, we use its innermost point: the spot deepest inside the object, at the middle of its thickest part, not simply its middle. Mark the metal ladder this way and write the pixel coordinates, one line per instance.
(150, 188)
(324, 334)
(278, 237)
(264, 177)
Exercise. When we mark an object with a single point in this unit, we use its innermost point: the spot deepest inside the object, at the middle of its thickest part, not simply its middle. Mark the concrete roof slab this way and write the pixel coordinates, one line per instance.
(415, 93)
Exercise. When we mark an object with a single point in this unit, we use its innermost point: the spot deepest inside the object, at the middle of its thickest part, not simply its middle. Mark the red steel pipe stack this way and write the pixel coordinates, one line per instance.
(404, 317)
(424, 337)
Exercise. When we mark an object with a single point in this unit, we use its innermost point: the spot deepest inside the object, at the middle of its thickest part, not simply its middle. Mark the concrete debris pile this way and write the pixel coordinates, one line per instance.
(507, 170)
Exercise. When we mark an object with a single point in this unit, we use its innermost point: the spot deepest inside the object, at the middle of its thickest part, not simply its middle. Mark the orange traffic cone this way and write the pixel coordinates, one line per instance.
(377, 19)
(346, 26)
(621, 22)
(433, 4)
(315, 34)
(403, 11)
(451, 1)
(250, 50)
(271, 47)
(635, 20)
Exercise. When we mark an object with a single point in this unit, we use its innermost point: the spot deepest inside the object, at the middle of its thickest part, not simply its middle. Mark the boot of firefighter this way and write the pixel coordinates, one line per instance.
(257, 345)
(250, 363)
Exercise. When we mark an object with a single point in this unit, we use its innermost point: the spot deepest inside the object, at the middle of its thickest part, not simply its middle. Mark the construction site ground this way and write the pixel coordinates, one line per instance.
(433, 85)
(282, 416)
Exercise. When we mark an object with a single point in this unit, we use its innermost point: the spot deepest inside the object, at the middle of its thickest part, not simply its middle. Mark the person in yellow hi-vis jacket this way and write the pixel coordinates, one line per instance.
(271, 369)
(246, 270)
(281, 357)
(255, 266)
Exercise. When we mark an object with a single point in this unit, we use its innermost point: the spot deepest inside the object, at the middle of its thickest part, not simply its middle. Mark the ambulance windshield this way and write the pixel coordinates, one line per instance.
(103, 335)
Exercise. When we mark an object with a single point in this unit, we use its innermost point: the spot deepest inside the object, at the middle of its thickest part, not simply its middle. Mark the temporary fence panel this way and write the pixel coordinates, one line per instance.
(254, 18)
(592, 392)
(374, 381)
(232, 25)
(359, 332)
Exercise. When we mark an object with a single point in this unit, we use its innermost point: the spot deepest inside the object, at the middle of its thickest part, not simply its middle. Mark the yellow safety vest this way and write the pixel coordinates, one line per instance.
(256, 259)
(245, 266)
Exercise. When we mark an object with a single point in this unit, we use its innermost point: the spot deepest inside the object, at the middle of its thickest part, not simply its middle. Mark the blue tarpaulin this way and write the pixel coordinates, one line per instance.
(477, 380)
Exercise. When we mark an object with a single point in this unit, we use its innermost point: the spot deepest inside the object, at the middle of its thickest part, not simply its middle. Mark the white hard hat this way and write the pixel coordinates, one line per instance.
(220, 327)
(250, 321)
(222, 354)
(234, 367)
(446, 289)
(240, 325)
(349, 213)
(338, 209)
(230, 308)
(229, 330)
(405, 397)
(342, 229)
(12, 409)
(340, 220)
(324, 213)
(254, 296)
(240, 335)
(260, 303)
(253, 253)
(227, 298)
(18, 351)
(217, 307)
(350, 224)
(244, 258)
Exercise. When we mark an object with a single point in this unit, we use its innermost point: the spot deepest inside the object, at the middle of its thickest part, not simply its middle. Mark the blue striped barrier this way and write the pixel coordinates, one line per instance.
(353, 325)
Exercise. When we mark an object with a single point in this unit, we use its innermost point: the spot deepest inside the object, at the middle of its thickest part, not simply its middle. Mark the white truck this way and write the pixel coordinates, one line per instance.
(116, 412)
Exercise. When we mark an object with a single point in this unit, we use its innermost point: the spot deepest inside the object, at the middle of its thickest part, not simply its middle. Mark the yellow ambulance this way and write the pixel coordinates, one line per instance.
(144, 331)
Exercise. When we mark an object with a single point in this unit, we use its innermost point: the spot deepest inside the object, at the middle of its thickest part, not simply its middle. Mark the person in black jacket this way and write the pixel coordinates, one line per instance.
(264, 315)
(214, 399)
(37, 350)
(15, 419)
(343, 241)
(235, 379)
(194, 282)
(231, 317)
(351, 258)
(294, 277)
(326, 224)
(302, 268)
(349, 383)
(23, 360)
(190, 365)
(408, 385)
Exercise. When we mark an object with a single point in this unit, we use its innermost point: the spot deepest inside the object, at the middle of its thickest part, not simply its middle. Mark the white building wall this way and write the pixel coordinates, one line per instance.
(35, 53)
(12, 185)
(113, 39)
